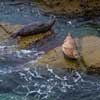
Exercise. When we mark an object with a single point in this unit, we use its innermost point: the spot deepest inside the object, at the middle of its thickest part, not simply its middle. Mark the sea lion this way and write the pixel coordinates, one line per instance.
(69, 47)
(35, 28)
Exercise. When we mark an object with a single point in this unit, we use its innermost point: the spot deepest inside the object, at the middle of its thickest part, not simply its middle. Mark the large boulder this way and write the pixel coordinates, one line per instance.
(91, 53)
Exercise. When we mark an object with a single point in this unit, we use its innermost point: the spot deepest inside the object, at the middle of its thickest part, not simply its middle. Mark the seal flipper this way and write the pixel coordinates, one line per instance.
(14, 35)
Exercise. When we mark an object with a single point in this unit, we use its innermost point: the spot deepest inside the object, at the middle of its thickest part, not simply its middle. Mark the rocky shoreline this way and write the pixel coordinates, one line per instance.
(22, 42)
(71, 8)
(89, 47)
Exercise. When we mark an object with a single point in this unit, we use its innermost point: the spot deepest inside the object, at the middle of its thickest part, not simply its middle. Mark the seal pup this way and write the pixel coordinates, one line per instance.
(35, 28)
(69, 48)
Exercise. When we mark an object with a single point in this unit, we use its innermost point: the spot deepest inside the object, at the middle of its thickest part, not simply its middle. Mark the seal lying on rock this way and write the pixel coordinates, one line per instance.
(35, 28)
(69, 48)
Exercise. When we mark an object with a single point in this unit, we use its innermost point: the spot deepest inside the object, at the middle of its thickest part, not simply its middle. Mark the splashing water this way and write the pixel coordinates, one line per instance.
(15, 59)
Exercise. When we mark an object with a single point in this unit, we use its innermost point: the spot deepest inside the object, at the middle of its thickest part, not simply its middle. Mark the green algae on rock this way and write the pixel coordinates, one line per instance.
(25, 42)
(90, 47)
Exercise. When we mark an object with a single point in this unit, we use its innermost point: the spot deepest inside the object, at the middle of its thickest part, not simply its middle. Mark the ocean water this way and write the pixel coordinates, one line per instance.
(21, 79)
(48, 83)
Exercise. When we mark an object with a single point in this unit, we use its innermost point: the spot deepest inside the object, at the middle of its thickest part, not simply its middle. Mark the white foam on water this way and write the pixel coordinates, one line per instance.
(39, 53)
(26, 78)
(56, 76)
(2, 46)
(51, 79)
(45, 97)
(65, 84)
(45, 89)
(21, 74)
(49, 88)
(1, 80)
(52, 72)
(32, 74)
(25, 51)
(5, 71)
(17, 90)
(26, 69)
(12, 50)
(78, 77)
(69, 22)
(39, 91)
(30, 92)
(18, 54)
(37, 75)
(36, 84)
(49, 69)
(43, 86)
(65, 78)
(62, 89)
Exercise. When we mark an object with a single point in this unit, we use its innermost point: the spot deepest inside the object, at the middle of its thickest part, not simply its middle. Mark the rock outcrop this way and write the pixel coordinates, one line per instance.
(55, 58)
(91, 53)
(72, 7)
(89, 49)
(22, 42)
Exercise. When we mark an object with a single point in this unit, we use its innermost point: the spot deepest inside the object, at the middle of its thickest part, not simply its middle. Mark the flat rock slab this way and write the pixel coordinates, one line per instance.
(23, 42)
(56, 58)
(91, 52)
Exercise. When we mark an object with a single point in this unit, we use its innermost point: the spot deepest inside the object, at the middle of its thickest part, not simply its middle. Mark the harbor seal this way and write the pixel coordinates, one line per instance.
(69, 47)
(35, 28)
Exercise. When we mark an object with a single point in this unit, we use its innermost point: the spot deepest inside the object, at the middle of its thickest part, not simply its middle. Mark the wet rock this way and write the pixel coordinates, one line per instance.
(6, 34)
(89, 48)
(72, 7)
(93, 70)
(91, 53)
(56, 58)
(26, 42)
(22, 42)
